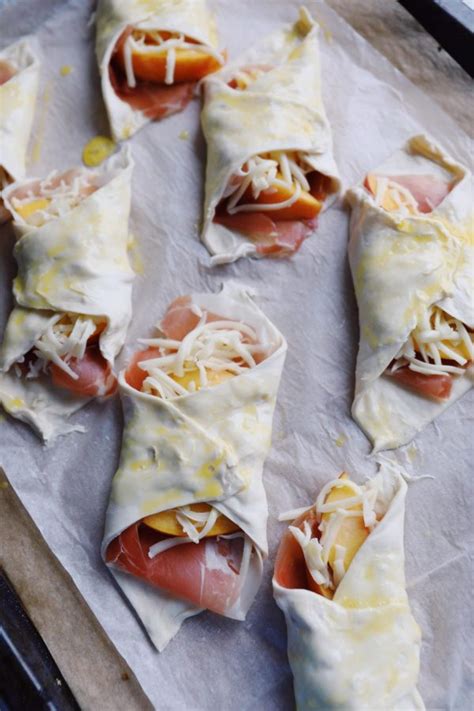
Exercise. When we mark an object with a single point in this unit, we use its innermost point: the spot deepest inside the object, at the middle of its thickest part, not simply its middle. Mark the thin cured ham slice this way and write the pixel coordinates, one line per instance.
(290, 565)
(206, 574)
(156, 101)
(428, 190)
(276, 239)
(180, 318)
(96, 378)
(136, 375)
(6, 71)
(434, 386)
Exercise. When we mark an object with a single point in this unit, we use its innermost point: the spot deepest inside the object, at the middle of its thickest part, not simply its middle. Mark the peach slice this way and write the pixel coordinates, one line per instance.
(388, 203)
(352, 532)
(167, 523)
(25, 211)
(214, 377)
(305, 208)
(190, 65)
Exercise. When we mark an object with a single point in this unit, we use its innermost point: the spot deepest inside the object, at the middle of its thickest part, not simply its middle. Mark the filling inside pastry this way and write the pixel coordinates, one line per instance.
(155, 71)
(194, 551)
(438, 350)
(318, 548)
(274, 198)
(68, 351)
(408, 194)
(41, 201)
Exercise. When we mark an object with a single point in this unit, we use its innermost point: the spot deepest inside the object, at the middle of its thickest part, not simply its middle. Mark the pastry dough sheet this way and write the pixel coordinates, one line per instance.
(373, 109)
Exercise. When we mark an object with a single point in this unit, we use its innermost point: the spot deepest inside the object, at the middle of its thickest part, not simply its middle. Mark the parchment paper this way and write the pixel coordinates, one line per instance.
(217, 663)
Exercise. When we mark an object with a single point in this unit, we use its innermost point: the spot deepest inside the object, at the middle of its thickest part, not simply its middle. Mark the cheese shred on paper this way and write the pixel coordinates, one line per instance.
(411, 257)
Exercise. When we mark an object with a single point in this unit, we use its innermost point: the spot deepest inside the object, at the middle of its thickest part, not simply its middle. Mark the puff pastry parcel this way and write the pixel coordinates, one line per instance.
(72, 292)
(186, 523)
(412, 262)
(270, 168)
(339, 579)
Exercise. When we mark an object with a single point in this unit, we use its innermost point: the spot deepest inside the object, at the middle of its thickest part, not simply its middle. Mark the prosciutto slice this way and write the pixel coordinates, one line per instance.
(276, 239)
(428, 190)
(435, 386)
(205, 574)
(95, 376)
(155, 101)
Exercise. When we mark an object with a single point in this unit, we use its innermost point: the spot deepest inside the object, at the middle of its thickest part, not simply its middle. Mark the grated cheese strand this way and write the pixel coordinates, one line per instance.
(65, 337)
(427, 346)
(58, 196)
(219, 346)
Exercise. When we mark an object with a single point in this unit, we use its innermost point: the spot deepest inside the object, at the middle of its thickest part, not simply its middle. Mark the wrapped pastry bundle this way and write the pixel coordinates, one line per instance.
(19, 74)
(269, 165)
(186, 523)
(339, 579)
(411, 256)
(72, 292)
(151, 55)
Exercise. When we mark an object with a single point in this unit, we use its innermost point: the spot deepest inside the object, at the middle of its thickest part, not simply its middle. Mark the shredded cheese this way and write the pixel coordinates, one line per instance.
(392, 196)
(219, 346)
(66, 337)
(322, 548)
(266, 173)
(437, 338)
(244, 77)
(54, 196)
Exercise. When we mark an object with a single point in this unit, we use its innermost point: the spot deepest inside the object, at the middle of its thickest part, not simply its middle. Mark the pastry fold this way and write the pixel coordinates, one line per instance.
(280, 110)
(188, 18)
(209, 447)
(17, 107)
(360, 649)
(75, 264)
(404, 262)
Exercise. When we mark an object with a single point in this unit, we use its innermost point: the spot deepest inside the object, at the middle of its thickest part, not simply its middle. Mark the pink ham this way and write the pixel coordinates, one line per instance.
(96, 378)
(434, 386)
(156, 101)
(6, 71)
(206, 573)
(290, 565)
(273, 238)
(180, 319)
(428, 190)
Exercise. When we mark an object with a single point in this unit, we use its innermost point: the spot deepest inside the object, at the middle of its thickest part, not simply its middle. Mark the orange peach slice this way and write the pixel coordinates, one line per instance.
(388, 203)
(305, 208)
(166, 522)
(352, 532)
(25, 211)
(190, 65)
(214, 377)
